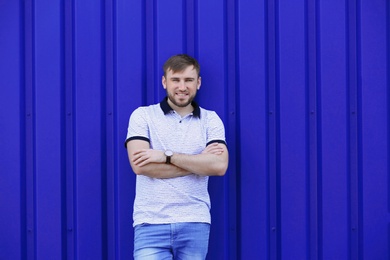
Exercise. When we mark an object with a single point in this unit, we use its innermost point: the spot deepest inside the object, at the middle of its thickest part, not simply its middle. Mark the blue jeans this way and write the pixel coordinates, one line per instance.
(171, 241)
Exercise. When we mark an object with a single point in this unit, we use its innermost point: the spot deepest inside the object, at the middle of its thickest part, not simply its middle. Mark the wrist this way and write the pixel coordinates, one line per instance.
(168, 155)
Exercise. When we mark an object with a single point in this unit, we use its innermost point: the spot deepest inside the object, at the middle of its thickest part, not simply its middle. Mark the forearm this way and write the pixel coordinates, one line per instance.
(202, 164)
(150, 168)
(160, 170)
(149, 162)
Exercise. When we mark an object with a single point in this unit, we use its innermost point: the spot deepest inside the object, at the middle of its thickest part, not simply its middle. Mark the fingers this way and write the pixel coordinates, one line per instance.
(145, 156)
(140, 158)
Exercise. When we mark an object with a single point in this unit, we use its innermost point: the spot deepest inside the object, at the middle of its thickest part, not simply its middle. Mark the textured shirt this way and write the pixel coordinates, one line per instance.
(181, 199)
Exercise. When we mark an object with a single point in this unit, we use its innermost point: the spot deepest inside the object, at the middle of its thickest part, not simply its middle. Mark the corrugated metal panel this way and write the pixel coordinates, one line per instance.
(302, 87)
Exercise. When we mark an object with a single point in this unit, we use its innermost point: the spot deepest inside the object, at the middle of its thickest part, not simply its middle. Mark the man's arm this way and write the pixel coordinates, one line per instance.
(151, 169)
(213, 161)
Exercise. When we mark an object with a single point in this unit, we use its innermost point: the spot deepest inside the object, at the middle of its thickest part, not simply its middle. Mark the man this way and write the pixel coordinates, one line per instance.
(173, 147)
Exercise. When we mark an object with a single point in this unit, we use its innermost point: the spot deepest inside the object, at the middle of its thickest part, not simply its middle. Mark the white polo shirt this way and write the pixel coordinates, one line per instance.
(182, 199)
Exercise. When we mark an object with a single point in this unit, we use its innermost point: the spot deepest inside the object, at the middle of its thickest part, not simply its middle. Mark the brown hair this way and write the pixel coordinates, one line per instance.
(179, 63)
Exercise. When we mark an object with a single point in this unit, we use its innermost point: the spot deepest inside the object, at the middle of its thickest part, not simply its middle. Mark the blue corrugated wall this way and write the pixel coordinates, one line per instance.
(301, 85)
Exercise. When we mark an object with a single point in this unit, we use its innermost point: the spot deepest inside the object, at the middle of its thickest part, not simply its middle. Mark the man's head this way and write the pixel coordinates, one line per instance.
(181, 80)
(179, 63)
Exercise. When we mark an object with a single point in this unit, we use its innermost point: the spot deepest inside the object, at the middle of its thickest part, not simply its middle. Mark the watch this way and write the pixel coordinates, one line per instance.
(168, 154)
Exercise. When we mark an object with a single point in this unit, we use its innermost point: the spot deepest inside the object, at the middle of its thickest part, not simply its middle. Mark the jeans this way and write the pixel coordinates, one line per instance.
(171, 241)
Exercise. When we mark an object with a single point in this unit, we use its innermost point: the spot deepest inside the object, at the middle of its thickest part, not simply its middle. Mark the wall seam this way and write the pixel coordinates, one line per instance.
(273, 131)
(231, 108)
(312, 126)
(29, 131)
(353, 127)
(69, 130)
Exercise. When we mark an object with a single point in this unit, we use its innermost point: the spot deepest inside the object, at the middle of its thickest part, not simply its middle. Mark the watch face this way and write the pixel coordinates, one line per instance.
(168, 153)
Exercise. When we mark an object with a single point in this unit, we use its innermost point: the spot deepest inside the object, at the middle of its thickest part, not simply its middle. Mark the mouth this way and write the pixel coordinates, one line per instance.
(182, 95)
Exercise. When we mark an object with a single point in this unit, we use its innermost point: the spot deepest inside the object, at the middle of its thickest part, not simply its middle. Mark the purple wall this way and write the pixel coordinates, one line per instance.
(302, 87)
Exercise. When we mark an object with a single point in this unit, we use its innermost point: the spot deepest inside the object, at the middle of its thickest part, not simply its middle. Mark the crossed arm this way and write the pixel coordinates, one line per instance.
(213, 161)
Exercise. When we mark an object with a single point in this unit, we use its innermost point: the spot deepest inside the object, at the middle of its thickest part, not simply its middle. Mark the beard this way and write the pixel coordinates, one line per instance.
(180, 103)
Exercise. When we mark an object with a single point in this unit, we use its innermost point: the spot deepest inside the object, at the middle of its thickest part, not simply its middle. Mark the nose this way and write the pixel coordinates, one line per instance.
(182, 86)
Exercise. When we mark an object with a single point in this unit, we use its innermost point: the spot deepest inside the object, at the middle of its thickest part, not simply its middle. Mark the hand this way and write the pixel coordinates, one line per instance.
(214, 148)
(145, 156)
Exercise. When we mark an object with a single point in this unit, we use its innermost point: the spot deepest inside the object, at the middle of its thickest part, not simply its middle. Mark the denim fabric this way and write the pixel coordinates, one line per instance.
(171, 241)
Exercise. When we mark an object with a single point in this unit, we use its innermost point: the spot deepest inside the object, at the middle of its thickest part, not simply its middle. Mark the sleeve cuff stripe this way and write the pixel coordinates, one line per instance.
(216, 141)
(136, 138)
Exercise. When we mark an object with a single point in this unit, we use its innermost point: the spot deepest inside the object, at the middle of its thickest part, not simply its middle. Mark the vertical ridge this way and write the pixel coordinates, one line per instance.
(150, 45)
(63, 137)
(69, 251)
(231, 108)
(273, 132)
(189, 28)
(388, 98)
(109, 203)
(313, 179)
(359, 139)
(29, 132)
(196, 29)
(353, 126)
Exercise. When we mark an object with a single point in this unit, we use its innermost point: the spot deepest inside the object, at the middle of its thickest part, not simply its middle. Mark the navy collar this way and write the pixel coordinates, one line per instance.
(166, 108)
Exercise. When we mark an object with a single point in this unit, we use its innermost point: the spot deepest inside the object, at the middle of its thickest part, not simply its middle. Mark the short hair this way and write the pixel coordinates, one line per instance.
(180, 62)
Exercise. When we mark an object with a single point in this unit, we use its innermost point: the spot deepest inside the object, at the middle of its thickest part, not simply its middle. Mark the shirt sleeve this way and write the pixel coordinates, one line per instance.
(215, 129)
(138, 126)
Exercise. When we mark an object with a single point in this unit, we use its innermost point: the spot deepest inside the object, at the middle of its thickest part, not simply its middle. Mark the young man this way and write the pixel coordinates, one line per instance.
(173, 147)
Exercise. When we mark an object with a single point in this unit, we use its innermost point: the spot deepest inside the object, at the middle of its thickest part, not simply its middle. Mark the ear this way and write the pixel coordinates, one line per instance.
(164, 82)
(199, 82)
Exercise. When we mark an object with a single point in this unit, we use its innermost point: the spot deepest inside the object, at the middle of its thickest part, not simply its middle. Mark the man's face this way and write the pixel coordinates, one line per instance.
(181, 86)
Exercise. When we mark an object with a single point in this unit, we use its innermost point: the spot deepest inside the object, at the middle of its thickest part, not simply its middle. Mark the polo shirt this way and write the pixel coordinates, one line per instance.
(181, 199)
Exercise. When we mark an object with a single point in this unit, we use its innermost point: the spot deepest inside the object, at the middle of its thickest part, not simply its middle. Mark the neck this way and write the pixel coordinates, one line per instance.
(182, 111)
